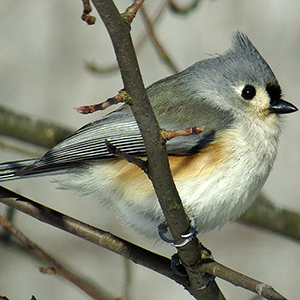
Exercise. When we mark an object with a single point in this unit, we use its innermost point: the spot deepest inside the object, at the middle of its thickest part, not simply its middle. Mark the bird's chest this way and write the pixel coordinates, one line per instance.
(226, 177)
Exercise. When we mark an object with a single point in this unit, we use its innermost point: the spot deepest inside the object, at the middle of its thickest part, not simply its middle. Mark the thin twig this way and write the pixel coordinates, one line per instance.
(120, 98)
(133, 252)
(170, 134)
(162, 53)
(142, 164)
(131, 11)
(153, 22)
(57, 268)
(87, 8)
(183, 10)
(93, 67)
(242, 280)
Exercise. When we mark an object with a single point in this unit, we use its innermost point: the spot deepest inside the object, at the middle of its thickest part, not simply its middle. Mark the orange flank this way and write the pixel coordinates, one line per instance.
(132, 179)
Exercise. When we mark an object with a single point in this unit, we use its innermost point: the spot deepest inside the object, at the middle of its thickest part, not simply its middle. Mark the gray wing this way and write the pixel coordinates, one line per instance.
(8, 170)
(88, 144)
(178, 106)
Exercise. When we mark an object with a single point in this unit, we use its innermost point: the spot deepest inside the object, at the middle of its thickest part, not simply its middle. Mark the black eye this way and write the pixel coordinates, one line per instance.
(248, 92)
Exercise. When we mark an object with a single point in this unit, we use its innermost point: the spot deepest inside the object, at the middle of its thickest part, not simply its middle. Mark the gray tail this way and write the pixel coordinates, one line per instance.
(10, 170)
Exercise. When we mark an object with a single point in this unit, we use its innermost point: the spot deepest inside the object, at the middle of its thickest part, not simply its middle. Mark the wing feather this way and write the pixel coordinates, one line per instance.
(88, 143)
(121, 130)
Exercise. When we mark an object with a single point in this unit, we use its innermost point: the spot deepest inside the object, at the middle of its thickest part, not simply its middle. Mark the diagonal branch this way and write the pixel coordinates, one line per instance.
(162, 53)
(28, 129)
(242, 280)
(159, 170)
(92, 234)
(133, 252)
(120, 98)
(97, 69)
(56, 267)
(263, 214)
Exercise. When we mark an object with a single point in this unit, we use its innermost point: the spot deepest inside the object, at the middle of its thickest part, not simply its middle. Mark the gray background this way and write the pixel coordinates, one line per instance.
(43, 50)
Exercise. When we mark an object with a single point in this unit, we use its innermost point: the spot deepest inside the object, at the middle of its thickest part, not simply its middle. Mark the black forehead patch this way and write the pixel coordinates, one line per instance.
(274, 91)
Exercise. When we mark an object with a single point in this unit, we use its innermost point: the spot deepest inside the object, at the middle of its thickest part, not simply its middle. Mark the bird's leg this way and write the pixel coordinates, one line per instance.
(176, 264)
(192, 232)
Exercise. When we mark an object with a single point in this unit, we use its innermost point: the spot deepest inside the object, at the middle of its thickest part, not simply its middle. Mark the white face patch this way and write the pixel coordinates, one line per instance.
(259, 104)
(256, 110)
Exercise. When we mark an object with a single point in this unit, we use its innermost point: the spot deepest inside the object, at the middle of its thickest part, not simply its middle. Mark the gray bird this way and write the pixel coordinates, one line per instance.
(218, 173)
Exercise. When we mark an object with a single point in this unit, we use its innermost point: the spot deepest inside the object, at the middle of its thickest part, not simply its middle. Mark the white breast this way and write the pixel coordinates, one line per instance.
(215, 186)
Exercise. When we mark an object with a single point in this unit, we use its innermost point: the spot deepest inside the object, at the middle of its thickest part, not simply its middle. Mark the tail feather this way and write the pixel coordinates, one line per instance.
(31, 168)
(10, 170)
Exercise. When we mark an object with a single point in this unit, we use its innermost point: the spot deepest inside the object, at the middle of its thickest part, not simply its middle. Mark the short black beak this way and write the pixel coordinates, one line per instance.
(282, 107)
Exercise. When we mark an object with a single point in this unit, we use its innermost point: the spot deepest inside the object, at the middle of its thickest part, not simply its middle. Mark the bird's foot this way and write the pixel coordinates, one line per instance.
(192, 232)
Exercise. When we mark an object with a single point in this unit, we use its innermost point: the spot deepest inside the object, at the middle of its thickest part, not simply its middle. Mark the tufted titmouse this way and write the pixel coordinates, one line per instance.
(218, 173)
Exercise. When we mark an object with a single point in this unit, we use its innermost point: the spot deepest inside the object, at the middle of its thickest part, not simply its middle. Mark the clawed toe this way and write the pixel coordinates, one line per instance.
(193, 231)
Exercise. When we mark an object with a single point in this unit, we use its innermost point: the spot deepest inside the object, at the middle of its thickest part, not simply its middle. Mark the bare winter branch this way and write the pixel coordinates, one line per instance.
(170, 134)
(56, 268)
(121, 97)
(131, 11)
(97, 236)
(159, 170)
(176, 8)
(142, 164)
(242, 280)
(87, 8)
(162, 53)
(133, 252)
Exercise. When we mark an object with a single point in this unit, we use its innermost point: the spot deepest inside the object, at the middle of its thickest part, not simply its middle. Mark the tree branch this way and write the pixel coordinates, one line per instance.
(93, 67)
(92, 234)
(176, 217)
(132, 10)
(28, 129)
(88, 109)
(159, 171)
(265, 214)
(133, 252)
(242, 280)
(56, 267)
(162, 53)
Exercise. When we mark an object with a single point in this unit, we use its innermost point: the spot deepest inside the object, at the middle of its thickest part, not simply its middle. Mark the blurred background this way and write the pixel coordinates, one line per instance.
(44, 52)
